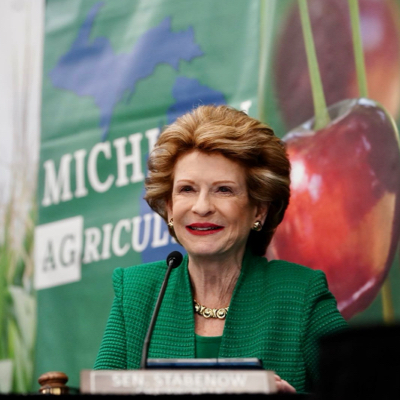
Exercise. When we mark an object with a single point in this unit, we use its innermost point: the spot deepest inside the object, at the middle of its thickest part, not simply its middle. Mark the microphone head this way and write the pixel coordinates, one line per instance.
(175, 258)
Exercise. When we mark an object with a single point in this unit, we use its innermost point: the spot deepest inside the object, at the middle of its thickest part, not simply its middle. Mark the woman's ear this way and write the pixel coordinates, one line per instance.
(169, 209)
(262, 212)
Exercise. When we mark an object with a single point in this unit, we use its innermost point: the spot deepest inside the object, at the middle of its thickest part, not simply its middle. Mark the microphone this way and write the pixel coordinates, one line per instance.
(174, 259)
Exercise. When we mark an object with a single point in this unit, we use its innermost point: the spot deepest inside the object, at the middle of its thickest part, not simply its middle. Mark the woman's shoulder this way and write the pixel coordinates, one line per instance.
(145, 267)
(287, 266)
(286, 271)
(296, 280)
(140, 274)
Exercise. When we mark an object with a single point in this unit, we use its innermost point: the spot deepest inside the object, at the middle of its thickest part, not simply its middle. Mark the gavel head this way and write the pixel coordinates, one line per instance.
(53, 382)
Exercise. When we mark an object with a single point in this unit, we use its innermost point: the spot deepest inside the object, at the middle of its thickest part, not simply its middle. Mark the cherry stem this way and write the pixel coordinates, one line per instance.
(387, 304)
(358, 49)
(320, 110)
(267, 16)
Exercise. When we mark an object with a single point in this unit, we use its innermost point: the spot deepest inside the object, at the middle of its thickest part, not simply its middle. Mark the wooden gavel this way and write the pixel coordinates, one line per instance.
(53, 382)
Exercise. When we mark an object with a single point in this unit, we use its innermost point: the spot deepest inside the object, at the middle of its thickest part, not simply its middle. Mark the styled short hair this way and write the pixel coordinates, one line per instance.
(240, 138)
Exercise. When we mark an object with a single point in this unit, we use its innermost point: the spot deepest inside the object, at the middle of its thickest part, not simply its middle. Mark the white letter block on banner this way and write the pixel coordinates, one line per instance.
(58, 248)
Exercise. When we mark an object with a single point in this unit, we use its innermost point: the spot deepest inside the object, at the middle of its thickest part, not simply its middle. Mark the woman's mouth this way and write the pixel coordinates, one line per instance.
(203, 229)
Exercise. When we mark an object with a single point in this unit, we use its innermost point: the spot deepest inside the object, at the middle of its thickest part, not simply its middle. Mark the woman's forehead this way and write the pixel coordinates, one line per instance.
(211, 165)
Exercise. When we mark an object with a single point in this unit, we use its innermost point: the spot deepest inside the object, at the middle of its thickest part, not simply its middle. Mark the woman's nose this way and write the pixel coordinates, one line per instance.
(203, 204)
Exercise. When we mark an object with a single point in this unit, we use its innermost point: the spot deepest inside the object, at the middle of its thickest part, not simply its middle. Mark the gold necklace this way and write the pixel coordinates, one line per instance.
(207, 312)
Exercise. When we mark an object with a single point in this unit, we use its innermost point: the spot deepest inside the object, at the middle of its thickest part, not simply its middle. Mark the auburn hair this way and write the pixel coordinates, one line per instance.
(238, 137)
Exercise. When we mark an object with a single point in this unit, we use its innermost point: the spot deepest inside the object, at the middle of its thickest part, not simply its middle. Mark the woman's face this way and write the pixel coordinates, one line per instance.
(210, 206)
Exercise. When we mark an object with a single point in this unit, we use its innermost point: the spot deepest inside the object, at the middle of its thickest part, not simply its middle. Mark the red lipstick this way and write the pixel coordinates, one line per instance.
(203, 228)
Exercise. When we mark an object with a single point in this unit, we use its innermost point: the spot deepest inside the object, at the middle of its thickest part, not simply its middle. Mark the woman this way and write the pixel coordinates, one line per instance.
(220, 179)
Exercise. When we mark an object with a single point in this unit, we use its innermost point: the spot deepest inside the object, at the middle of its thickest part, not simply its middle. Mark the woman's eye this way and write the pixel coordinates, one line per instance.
(225, 189)
(186, 189)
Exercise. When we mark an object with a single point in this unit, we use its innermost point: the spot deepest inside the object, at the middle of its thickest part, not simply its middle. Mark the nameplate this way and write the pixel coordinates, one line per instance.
(177, 381)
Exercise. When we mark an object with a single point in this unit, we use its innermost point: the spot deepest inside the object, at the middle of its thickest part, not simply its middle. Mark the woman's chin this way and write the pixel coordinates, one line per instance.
(203, 252)
(208, 252)
(211, 253)
(201, 245)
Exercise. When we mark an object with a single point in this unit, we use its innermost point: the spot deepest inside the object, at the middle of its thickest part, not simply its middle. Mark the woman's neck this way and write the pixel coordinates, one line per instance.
(213, 281)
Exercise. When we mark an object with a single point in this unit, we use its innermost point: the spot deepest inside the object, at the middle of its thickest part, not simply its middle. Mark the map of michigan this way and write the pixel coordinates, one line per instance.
(92, 68)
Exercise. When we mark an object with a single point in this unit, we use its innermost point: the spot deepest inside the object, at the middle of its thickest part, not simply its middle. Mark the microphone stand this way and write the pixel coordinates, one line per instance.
(173, 262)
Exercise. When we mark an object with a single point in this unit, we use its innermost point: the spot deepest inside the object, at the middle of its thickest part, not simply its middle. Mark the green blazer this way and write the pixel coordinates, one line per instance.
(278, 312)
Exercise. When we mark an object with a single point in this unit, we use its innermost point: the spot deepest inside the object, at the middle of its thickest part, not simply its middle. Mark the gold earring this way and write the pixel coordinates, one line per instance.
(257, 226)
(171, 223)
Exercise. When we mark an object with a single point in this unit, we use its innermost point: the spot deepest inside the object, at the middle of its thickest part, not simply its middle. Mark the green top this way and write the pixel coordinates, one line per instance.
(277, 313)
(207, 346)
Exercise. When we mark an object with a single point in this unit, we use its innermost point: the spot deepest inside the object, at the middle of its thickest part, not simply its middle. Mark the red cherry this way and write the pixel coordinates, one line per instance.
(330, 20)
(343, 216)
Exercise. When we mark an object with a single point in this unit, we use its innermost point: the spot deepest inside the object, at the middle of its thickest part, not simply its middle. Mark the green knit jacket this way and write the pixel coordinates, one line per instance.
(278, 312)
